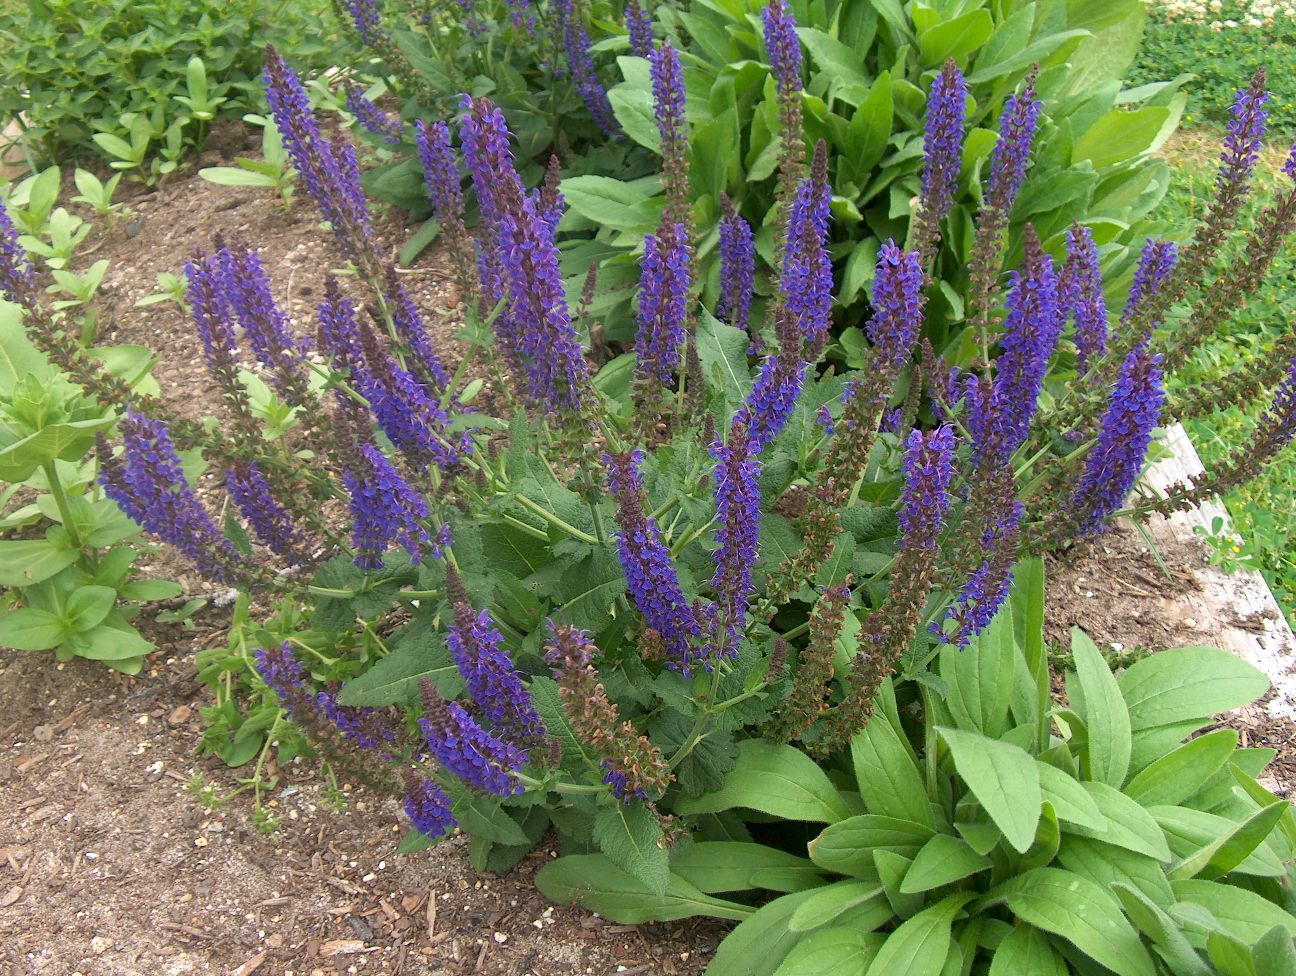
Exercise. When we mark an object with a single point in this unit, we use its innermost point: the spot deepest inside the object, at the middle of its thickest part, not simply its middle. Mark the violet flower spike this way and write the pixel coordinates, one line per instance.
(441, 172)
(1156, 264)
(427, 806)
(357, 724)
(1245, 135)
(367, 20)
(737, 266)
(281, 672)
(207, 297)
(270, 522)
(371, 118)
(805, 283)
(1124, 435)
(737, 496)
(1012, 152)
(669, 98)
(778, 384)
(492, 680)
(646, 559)
(384, 507)
(663, 302)
(479, 758)
(583, 71)
(897, 306)
(943, 130)
(639, 26)
(783, 46)
(246, 288)
(411, 331)
(1082, 295)
(17, 275)
(925, 500)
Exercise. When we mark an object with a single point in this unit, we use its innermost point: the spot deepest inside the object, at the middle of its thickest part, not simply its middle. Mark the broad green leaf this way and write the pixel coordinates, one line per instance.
(891, 869)
(1105, 864)
(955, 38)
(921, 945)
(1212, 846)
(1183, 683)
(788, 879)
(609, 202)
(1152, 743)
(632, 839)
(18, 356)
(722, 348)
(147, 590)
(596, 884)
(513, 550)
(1026, 952)
(1274, 954)
(828, 903)
(840, 61)
(105, 643)
(31, 561)
(395, 679)
(941, 861)
(1036, 51)
(713, 866)
(889, 781)
(758, 946)
(1153, 922)
(1179, 774)
(1230, 955)
(483, 816)
(633, 108)
(1118, 135)
(847, 847)
(1104, 713)
(87, 606)
(66, 441)
(775, 779)
(1244, 913)
(981, 677)
(1004, 779)
(1070, 800)
(837, 951)
(28, 629)
(232, 176)
(1129, 825)
(1075, 908)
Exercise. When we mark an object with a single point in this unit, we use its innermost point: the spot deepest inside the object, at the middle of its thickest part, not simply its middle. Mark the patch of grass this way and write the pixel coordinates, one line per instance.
(1264, 512)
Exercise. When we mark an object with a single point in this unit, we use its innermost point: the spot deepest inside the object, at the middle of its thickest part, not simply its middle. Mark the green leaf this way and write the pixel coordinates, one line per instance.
(87, 606)
(1179, 774)
(1037, 51)
(632, 839)
(18, 356)
(775, 779)
(1104, 713)
(713, 866)
(231, 176)
(837, 951)
(920, 946)
(1244, 913)
(1104, 864)
(955, 38)
(418, 243)
(1230, 956)
(723, 348)
(588, 589)
(838, 565)
(394, 680)
(847, 847)
(514, 551)
(1075, 908)
(66, 442)
(1005, 780)
(1118, 135)
(148, 590)
(608, 202)
(830, 902)
(28, 562)
(105, 643)
(1183, 683)
(26, 629)
(840, 61)
(888, 779)
(413, 842)
(483, 816)
(633, 108)
(596, 884)
(713, 755)
(1070, 800)
(758, 946)
(1152, 920)
(1274, 954)
(1026, 952)
(942, 860)
(1224, 848)
(1128, 824)
(981, 677)
(891, 869)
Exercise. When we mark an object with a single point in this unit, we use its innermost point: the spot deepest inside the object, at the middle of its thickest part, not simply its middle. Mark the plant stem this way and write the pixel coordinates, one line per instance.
(60, 499)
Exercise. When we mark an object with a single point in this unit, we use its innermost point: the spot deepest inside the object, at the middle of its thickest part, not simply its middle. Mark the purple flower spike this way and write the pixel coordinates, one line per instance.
(783, 46)
(669, 102)
(897, 306)
(17, 276)
(339, 335)
(778, 384)
(207, 297)
(441, 172)
(639, 24)
(412, 420)
(1012, 151)
(943, 146)
(428, 807)
(737, 266)
(1245, 134)
(356, 724)
(1125, 433)
(281, 672)
(650, 572)
(477, 757)
(149, 485)
(410, 330)
(269, 521)
(247, 289)
(1289, 167)
(584, 73)
(806, 280)
(385, 508)
(1154, 269)
(371, 118)
(928, 469)
(367, 20)
(493, 681)
(1031, 331)
(328, 171)
(1082, 296)
(737, 496)
(663, 302)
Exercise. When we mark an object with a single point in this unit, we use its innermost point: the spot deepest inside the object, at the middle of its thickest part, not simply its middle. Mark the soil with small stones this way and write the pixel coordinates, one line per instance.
(111, 864)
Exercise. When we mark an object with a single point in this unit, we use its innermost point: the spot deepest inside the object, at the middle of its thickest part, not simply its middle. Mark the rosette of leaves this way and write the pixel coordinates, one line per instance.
(980, 827)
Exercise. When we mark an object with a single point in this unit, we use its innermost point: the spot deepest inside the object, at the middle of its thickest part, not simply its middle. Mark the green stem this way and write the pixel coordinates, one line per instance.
(694, 737)
(60, 499)
(573, 788)
(553, 519)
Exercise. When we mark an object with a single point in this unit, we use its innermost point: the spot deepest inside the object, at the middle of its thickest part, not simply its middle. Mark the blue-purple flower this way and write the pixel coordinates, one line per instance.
(441, 172)
(663, 302)
(737, 266)
(210, 304)
(269, 521)
(384, 508)
(492, 680)
(17, 276)
(737, 497)
(805, 283)
(897, 306)
(928, 468)
(281, 672)
(1081, 290)
(245, 287)
(367, 19)
(371, 118)
(428, 807)
(1246, 131)
(1124, 435)
(410, 331)
(639, 24)
(783, 46)
(777, 385)
(1155, 266)
(1012, 152)
(583, 72)
(477, 757)
(942, 145)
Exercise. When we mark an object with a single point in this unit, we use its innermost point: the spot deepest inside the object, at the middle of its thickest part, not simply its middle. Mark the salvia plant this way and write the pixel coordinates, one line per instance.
(684, 554)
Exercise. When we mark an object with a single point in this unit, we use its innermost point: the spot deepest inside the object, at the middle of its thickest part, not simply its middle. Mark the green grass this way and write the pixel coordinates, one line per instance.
(1264, 512)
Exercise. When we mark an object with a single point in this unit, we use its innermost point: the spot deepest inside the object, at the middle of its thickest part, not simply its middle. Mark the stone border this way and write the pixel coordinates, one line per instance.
(1227, 600)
